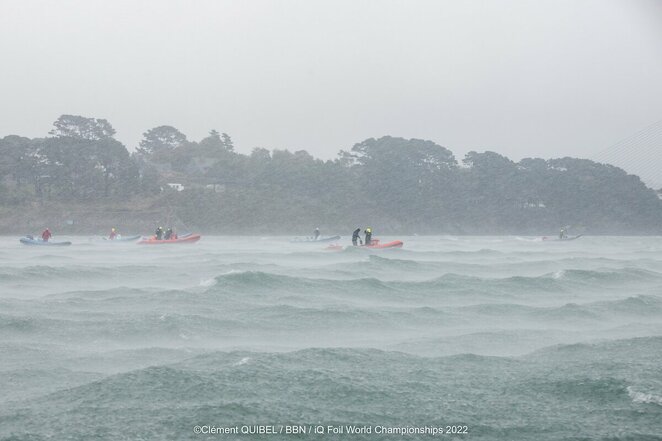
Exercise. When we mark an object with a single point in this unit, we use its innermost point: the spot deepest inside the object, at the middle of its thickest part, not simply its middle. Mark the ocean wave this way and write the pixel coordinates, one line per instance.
(366, 385)
(405, 252)
(398, 264)
(256, 280)
(449, 284)
(580, 388)
(166, 329)
(71, 272)
(643, 397)
(10, 323)
(620, 276)
(119, 294)
(637, 307)
(627, 350)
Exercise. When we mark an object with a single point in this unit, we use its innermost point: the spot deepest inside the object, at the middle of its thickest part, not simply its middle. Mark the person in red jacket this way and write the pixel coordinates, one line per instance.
(113, 234)
(46, 235)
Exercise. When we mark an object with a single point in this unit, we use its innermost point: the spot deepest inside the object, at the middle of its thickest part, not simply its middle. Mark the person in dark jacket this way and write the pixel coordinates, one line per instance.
(355, 237)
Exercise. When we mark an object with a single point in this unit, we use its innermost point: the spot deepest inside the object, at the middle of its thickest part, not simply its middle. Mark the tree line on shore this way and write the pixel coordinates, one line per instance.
(399, 185)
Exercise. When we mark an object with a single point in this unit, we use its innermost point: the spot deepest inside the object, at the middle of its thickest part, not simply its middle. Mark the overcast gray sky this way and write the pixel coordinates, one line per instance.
(524, 78)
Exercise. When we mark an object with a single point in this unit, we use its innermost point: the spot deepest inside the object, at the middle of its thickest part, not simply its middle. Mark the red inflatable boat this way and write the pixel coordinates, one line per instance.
(153, 241)
(375, 244)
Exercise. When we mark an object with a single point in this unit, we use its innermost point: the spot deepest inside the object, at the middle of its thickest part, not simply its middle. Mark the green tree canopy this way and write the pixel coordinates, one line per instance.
(160, 139)
(396, 184)
(81, 127)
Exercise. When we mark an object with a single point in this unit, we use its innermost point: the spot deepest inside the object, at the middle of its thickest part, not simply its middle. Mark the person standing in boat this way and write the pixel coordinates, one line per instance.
(368, 236)
(113, 234)
(355, 237)
(159, 233)
(563, 234)
(46, 235)
(168, 234)
(316, 233)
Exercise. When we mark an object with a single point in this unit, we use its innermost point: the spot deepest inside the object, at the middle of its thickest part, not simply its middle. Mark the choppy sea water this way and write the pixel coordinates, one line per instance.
(514, 338)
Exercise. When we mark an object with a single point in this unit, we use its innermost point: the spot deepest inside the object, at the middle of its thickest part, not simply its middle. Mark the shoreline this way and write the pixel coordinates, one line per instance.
(142, 215)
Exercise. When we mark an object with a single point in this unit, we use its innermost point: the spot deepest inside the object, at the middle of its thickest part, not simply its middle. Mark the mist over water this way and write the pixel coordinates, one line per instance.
(512, 336)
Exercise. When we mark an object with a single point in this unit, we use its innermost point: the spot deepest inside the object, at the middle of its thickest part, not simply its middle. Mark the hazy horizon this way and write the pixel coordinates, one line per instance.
(545, 79)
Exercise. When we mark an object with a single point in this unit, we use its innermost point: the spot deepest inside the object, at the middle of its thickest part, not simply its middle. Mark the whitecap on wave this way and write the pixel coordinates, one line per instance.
(558, 274)
(242, 361)
(642, 397)
(207, 282)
